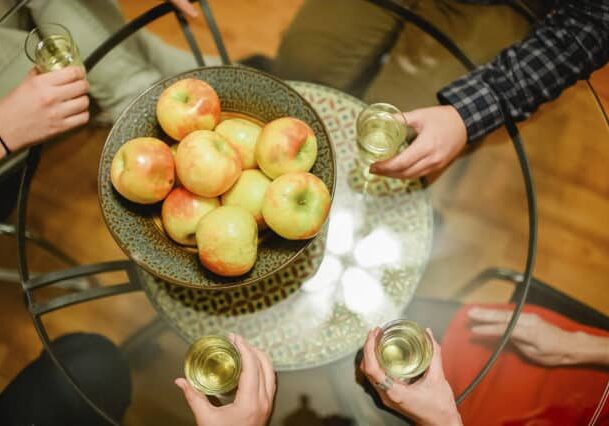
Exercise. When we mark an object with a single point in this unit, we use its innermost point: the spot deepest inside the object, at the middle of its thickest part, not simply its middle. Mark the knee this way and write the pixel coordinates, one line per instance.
(98, 366)
(335, 43)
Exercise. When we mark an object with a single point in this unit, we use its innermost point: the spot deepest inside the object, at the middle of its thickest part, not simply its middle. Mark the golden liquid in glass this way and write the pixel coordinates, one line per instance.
(379, 137)
(213, 365)
(380, 134)
(404, 350)
(56, 52)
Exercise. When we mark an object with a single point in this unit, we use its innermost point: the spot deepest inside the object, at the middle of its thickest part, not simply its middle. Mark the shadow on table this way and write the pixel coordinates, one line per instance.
(305, 416)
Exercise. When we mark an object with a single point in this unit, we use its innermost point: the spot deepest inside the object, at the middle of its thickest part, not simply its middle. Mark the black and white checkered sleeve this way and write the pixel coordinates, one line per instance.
(567, 46)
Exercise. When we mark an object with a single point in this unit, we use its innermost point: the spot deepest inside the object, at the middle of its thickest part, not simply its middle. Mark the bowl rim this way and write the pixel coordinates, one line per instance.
(215, 286)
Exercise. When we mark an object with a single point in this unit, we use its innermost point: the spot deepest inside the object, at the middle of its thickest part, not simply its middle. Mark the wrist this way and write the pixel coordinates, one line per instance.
(5, 147)
(452, 418)
(7, 144)
(447, 418)
(445, 414)
(589, 349)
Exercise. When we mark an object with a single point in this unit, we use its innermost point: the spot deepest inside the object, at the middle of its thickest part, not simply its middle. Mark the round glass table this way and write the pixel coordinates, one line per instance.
(421, 249)
(362, 271)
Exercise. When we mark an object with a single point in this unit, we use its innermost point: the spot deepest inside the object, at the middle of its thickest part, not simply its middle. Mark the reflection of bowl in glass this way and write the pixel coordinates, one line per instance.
(244, 92)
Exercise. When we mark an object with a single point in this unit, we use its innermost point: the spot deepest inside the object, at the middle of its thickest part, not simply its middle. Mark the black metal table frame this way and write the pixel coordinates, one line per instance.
(31, 284)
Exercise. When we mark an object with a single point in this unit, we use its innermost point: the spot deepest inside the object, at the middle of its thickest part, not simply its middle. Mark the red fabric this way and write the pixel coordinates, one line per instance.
(517, 392)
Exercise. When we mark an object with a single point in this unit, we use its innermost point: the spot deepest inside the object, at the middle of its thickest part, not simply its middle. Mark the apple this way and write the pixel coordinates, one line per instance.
(207, 164)
(286, 145)
(242, 135)
(182, 210)
(174, 152)
(188, 105)
(227, 241)
(249, 193)
(296, 205)
(143, 170)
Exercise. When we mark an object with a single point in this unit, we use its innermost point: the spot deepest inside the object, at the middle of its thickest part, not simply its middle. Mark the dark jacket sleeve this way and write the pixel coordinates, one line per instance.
(566, 46)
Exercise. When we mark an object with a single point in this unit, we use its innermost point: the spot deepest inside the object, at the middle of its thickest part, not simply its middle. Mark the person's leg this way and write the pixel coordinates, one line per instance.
(14, 65)
(167, 59)
(338, 43)
(41, 395)
(419, 66)
(124, 72)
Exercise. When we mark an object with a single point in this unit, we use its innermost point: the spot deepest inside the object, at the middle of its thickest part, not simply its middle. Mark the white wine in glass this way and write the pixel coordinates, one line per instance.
(213, 365)
(380, 134)
(404, 350)
(51, 47)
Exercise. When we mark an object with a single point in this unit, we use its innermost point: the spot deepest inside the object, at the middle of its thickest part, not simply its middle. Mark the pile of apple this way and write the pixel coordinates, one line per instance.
(224, 180)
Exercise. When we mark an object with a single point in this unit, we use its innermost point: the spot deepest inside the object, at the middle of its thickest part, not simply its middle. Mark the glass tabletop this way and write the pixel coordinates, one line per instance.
(362, 271)
(423, 249)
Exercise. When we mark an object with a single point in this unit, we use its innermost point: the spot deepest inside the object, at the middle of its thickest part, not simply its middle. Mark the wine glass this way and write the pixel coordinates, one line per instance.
(51, 47)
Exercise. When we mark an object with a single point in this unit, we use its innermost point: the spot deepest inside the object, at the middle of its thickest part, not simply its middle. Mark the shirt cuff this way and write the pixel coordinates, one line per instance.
(475, 102)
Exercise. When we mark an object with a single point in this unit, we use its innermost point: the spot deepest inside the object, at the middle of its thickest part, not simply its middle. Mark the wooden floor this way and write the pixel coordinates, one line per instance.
(479, 201)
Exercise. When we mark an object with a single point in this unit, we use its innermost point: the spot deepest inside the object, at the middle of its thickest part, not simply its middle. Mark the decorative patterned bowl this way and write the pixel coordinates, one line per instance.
(242, 91)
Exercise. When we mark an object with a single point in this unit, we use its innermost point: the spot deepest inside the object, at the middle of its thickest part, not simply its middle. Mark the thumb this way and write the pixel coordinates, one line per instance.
(33, 72)
(418, 150)
(198, 403)
(436, 367)
(414, 119)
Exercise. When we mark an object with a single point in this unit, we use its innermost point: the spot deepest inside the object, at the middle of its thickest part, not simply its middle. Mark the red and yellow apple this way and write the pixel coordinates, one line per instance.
(296, 205)
(182, 210)
(286, 145)
(227, 241)
(242, 135)
(188, 105)
(174, 152)
(207, 164)
(143, 170)
(248, 193)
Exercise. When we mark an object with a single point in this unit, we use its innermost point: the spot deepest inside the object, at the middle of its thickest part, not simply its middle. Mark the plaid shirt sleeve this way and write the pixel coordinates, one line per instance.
(566, 46)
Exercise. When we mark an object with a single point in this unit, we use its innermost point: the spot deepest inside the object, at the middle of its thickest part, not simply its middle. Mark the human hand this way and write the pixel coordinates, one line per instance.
(44, 105)
(185, 7)
(537, 339)
(254, 400)
(441, 135)
(428, 401)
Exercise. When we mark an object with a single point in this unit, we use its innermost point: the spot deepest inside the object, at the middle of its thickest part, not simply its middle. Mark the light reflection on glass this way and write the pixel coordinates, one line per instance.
(340, 233)
(316, 307)
(378, 248)
(316, 301)
(327, 275)
(363, 293)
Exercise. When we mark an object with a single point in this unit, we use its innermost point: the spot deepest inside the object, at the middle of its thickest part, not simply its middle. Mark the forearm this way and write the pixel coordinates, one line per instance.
(589, 349)
(567, 46)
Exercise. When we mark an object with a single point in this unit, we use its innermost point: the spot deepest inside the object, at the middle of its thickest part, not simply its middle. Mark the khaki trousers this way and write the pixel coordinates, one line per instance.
(358, 47)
